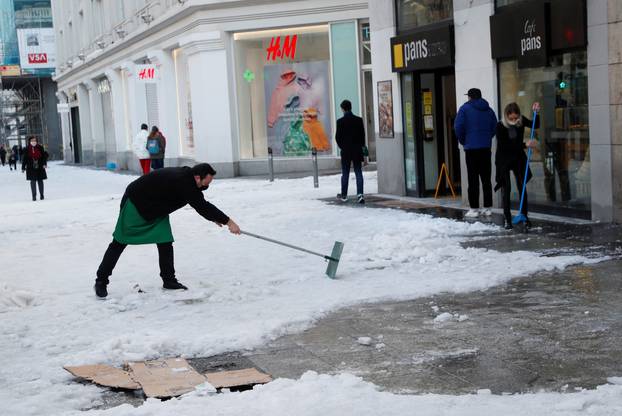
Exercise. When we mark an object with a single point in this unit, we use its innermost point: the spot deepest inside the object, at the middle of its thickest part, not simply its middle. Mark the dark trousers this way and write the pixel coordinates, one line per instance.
(157, 164)
(165, 254)
(478, 169)
(506, 189)
(33, 188)
(3, 159)
(345, 176)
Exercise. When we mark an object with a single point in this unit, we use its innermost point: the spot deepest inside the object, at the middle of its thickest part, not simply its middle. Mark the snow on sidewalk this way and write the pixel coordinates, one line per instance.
(243, 291)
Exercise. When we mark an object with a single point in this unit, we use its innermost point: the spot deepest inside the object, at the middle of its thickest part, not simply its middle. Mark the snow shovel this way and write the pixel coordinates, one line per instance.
(333, 259)
(521, 217)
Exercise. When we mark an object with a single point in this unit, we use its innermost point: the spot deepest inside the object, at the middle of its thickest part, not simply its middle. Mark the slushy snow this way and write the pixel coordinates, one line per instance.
(243, 292)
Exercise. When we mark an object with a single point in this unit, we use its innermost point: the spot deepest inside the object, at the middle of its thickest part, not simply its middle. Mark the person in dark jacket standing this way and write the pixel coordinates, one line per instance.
(475, 127)
(510, 156)
(34, 162)
(2, 154)
(156, 146)
(351, 140)
(144, 217)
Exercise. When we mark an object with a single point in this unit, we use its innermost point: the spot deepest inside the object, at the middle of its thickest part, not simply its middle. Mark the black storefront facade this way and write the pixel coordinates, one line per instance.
(541, 51)
(424, 59)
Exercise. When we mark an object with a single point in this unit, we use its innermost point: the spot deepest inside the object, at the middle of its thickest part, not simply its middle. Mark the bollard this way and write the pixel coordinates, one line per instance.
(270, 164)
(316, 183)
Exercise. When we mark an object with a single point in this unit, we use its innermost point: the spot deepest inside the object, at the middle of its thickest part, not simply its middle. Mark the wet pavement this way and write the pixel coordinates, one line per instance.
(553, 331)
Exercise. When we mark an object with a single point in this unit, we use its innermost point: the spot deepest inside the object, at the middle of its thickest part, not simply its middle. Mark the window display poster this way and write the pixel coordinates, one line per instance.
(385, 109)
(298, 108)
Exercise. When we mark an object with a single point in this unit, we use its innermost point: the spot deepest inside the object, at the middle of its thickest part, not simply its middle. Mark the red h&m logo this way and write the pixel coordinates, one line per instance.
(37, 58)
(288, 50)
(146, 73)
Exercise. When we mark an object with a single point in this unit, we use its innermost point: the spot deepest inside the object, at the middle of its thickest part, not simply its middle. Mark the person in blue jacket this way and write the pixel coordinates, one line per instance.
(475, 127)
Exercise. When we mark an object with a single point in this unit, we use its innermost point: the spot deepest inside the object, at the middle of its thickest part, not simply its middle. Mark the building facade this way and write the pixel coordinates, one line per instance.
(562, 53)
(227, 82)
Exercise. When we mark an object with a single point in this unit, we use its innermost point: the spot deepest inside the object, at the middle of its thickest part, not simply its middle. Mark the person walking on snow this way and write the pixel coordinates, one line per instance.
(139, 145)
(475, 127)
(144, 217)
(2, 154)
(34, 162)
(156, 146)
(350, 138)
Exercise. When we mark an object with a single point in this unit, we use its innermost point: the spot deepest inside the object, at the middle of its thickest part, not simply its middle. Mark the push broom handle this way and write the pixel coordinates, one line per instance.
(287, 245)
(522, 196)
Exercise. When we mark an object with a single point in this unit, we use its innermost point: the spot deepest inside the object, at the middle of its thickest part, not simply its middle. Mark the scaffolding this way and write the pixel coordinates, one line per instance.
(21, 110)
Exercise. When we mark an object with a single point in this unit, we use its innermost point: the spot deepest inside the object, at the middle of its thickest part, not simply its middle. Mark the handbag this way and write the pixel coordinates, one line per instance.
(365, 151)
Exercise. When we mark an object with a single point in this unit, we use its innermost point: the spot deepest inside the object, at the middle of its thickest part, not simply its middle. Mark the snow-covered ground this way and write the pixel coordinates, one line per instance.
(245, 292)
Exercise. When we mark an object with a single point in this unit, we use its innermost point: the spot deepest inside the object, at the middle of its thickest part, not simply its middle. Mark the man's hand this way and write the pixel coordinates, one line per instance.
(233, 227)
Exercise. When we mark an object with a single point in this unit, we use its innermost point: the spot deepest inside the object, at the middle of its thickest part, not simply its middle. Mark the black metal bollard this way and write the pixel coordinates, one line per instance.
(270, 164)
(316, 182)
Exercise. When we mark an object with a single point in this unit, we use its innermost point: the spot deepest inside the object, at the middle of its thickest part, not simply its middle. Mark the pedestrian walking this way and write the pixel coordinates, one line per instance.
(475, 127)
(34, 163)
(351, 141)
(2, 155)
(13, 160)
(144, 217)
(510, 156)
(156, 146)
(139, 145)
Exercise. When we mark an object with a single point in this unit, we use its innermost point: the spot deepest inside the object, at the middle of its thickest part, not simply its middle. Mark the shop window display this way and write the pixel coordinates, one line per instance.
(561, 162)
(415, 13)
(184, 102)
(283, 89)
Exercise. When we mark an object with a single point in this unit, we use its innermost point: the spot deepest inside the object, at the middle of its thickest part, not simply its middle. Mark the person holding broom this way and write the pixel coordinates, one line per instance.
(144, 217)
(510, 156)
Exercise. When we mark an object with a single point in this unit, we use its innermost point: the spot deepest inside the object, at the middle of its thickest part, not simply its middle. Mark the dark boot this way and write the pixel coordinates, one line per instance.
(173, 284)
(101, 288)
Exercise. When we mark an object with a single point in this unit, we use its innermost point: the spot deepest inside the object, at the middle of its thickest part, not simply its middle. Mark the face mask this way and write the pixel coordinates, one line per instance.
(33, 144)
(512, 123)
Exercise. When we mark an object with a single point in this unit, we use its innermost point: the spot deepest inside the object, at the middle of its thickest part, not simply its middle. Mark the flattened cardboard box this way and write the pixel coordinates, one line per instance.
(104, 375)
(165, 378)
(237, 378)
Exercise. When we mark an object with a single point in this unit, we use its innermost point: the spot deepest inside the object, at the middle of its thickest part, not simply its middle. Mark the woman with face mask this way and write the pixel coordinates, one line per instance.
(510, 155)
(34, 162)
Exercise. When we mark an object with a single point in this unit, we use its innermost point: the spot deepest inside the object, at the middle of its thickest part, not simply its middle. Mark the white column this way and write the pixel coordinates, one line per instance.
(210, 94)
(167, 101)
(474, 65)
(65, 126)
(86, 138)
(97, 124)
(118, 114)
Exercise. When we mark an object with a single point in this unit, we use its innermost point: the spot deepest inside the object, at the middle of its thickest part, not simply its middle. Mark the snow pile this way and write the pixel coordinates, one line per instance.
(243, 291)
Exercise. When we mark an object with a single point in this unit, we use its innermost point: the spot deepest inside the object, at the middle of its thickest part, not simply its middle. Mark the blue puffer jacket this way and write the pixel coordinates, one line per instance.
(475, 124)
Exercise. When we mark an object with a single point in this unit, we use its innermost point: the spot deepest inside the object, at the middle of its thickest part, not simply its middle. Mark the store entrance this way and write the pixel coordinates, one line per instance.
(75, 135)
(434, 102)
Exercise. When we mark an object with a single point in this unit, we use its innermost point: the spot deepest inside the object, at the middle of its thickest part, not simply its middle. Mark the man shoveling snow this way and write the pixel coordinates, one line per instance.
(143, 218)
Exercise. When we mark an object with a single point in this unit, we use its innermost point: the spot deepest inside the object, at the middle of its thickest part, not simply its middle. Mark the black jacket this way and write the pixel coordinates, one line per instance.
(511, 148)
(164, 191)
(35, 169)
(351, 137)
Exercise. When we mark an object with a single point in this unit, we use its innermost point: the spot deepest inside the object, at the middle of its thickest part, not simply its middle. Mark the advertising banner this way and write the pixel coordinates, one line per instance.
(423, 49)
(298, 103)
(37, 49)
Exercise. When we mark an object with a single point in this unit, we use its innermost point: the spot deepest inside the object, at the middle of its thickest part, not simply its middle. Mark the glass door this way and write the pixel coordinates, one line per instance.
(410, 152)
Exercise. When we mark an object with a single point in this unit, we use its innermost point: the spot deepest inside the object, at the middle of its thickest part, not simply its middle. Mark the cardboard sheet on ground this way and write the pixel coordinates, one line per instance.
(104, 375)
(237, 378)
(165, 378)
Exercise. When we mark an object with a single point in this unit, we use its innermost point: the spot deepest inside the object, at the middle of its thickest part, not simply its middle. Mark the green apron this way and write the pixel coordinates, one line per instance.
(133, 229)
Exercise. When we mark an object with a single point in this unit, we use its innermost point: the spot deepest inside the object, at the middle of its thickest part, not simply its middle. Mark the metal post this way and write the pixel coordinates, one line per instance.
(270, 164)
(316, 183)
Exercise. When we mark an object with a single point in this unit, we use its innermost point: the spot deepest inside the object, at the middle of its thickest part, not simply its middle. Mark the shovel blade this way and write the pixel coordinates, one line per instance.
(518, 219)
(331, 269)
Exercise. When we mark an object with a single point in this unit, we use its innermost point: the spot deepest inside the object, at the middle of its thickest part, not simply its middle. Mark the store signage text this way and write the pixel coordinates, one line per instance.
(427, 49)
(37, 58)
(530, 41)
(276, 50)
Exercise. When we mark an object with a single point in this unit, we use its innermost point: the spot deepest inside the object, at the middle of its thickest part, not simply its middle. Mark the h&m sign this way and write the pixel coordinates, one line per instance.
(423, 49)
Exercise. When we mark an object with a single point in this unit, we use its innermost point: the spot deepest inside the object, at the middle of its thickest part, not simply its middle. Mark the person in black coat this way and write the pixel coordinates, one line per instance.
(144, 217)
(351, 140)
(2, 155)
(34, 162)
(510, 156)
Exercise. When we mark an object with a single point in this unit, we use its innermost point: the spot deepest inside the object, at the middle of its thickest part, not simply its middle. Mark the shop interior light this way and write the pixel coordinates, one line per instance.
(563, 85)
(280, 32)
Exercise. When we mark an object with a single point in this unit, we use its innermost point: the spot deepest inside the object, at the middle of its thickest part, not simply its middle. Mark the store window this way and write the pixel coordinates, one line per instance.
(365, 36)
(184, 103)
(415, 13)
(284, 91)
(561, 162)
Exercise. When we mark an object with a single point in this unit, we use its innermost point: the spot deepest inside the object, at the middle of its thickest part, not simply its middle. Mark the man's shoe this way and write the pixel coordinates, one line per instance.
(472, 213)
(487, 212)
(173, 284)
(342, 198)
(508, 225)
(100, 289)
(360, 199)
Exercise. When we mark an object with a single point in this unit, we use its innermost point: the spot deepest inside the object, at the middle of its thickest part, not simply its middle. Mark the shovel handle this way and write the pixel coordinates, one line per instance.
(261, 237)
